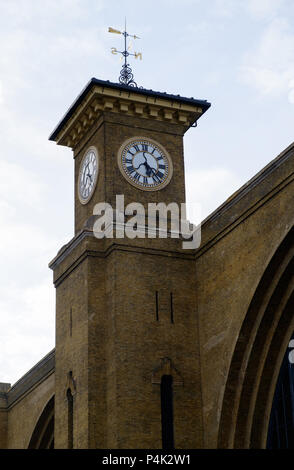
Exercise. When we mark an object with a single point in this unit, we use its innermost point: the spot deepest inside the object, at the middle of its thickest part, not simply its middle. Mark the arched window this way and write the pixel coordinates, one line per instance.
(167, 424)
(281, 427)
(248, 398)
(69, 419)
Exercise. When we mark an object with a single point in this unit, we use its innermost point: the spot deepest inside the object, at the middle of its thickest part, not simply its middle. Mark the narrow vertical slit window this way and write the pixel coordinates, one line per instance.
(156, 306)
(167, 420)
(69, 419)
(70, 322)
(171, 308)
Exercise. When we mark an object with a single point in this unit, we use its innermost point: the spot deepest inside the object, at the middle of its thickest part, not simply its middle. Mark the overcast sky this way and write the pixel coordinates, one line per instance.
(237, 54)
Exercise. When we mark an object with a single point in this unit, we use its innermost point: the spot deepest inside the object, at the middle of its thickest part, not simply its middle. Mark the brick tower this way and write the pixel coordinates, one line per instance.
(127, 357)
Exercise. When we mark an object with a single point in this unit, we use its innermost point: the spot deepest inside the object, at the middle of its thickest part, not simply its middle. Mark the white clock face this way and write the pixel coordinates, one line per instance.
(88, 175)
(145, 164)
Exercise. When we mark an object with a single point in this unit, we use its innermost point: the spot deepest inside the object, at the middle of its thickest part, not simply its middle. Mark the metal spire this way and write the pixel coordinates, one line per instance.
(126, 76)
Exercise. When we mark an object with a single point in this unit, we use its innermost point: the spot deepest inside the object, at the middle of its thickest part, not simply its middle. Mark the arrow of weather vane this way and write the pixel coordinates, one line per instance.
(126, 76)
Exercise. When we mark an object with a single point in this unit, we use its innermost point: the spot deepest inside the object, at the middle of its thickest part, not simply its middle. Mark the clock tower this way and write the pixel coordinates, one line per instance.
(127, 360)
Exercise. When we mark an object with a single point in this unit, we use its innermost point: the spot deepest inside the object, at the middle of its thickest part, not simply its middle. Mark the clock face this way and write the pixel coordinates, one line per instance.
(88, 175)
(145, 164)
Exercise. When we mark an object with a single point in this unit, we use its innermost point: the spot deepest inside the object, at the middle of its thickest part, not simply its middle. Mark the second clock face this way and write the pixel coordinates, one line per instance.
(88, 175)
(145, 164)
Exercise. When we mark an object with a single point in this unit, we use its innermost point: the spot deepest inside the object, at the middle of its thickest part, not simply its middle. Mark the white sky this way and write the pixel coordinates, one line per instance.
(237, 54)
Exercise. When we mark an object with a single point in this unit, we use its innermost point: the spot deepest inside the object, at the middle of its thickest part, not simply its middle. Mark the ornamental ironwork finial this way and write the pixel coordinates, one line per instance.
(126, 75)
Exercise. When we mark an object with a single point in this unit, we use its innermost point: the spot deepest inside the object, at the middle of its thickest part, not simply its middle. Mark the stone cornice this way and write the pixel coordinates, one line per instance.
(85, 245)
(98, 98)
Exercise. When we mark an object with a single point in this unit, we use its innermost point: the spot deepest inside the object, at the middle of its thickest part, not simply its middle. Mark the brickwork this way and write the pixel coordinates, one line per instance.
(23, 415)
(112, 132)
(238, 245)
(129, 311)
(4, 387)
(72, 356)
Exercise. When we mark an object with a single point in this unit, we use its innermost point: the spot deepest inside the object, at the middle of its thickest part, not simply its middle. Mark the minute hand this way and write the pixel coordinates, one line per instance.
(154, 174)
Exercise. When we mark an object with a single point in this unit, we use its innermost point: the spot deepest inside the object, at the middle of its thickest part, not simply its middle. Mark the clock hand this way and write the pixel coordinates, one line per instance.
(139, 166)
(144, 163)
(149, 168)
(155, 177)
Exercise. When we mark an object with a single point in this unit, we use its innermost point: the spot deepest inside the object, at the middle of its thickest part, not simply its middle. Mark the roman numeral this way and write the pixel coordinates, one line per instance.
(145, 180)
(160, 175)
(131, 169)
(136, 148)
(144, 147)
(159, 158)
(129, 160)
(137, 177)
(162, 167)
(155, 178)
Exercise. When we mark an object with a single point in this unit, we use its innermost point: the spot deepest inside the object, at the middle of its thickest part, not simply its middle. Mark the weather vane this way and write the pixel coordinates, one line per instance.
(126, 76)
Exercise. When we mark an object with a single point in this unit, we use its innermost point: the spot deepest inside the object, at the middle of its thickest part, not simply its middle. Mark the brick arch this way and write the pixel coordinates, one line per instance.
(259, 351)
(43, 434)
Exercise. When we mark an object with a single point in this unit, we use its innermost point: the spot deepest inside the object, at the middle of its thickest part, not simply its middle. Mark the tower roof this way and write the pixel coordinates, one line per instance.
(99, 95)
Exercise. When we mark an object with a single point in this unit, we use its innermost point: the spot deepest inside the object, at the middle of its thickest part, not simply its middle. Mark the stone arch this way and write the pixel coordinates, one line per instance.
(259, 351)
(43, 434)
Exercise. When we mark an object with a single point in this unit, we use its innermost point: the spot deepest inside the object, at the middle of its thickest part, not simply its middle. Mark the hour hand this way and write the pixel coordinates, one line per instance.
(139, 166)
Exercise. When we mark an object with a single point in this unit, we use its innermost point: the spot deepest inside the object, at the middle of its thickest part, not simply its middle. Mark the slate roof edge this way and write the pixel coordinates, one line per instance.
(250, 184)
(38, 372)
(249, 198)
(107, 84)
